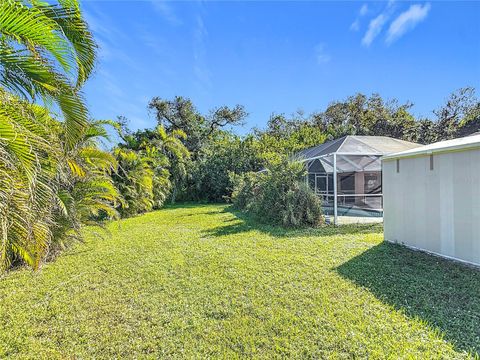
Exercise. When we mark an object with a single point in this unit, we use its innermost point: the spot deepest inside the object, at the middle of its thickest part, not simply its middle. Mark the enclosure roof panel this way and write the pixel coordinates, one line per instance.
(322, 149)
(357, 145)
(460, 144)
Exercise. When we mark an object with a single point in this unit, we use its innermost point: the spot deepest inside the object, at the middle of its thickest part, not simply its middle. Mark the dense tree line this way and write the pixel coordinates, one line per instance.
(216, 150)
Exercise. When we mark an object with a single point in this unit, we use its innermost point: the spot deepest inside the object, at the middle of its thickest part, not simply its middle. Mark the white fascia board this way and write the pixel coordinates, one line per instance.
(436, 148)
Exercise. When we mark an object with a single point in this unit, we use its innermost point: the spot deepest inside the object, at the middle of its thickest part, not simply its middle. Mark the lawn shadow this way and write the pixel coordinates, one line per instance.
(242, 223)
(443, 293)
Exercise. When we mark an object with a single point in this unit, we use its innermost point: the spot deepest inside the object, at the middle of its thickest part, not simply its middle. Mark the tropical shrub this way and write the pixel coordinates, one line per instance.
(152, 165)
(245, 188)
(278, 195)
(48, 189)
(302, 207)
(134, 180)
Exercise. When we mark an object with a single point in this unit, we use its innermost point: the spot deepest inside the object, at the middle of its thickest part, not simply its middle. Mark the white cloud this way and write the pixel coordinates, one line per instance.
(202, 73)
(321, 55)
(376, 25)
(113, 42)
(164, 9)
(363, 10)
(374, 28)
(356, 24)
(406, 21)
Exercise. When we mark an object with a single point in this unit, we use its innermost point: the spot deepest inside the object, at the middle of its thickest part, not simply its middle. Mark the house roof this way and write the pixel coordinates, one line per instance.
(357, 145)
(460, 144)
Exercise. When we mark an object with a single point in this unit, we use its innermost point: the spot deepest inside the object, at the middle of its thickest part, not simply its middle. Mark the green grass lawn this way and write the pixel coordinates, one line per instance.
(198, 281)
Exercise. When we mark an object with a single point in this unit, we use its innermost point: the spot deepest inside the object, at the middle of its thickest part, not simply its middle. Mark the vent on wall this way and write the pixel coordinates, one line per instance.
(431, 161)
(398, 165)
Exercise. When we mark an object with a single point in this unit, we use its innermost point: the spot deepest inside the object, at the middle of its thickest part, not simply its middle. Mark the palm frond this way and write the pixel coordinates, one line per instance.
(76, 31)
(98, 158)
(30, 27)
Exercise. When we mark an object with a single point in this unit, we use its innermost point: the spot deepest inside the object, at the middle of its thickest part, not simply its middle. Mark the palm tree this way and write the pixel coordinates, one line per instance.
(86, 192)
(53, 176)
(171, 146)
(27, 164)
(48, 191)
(47, 51)
(135, 180)
(151, 165)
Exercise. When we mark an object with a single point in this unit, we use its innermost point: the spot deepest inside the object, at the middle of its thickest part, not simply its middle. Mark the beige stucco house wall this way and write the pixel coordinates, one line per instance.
(432, 198)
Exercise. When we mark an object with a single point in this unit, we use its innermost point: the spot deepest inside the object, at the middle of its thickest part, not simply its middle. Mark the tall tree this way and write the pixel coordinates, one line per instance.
(181, 114)
(362, 115)
(459, 116)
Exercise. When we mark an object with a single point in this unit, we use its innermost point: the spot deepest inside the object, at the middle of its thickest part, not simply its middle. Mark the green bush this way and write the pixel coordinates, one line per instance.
(302, 207)
(278, 196)
(209, 174)
(244, 189)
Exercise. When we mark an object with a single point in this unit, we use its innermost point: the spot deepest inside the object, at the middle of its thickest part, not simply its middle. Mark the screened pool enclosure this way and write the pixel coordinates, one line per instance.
(354, 161)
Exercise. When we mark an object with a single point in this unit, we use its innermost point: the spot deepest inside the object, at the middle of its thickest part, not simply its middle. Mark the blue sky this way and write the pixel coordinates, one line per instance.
(279, 56)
